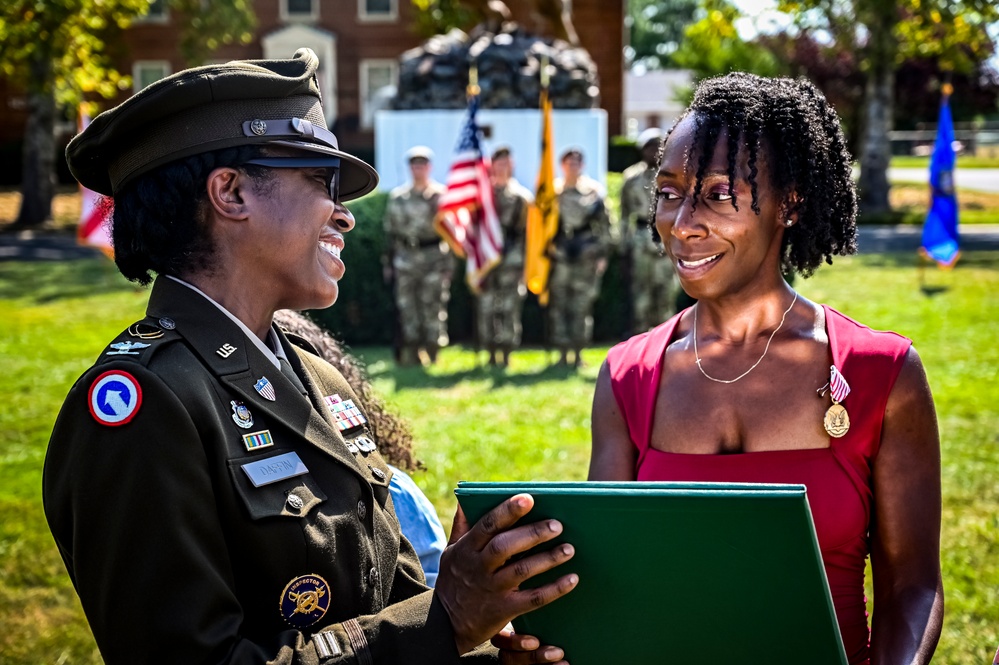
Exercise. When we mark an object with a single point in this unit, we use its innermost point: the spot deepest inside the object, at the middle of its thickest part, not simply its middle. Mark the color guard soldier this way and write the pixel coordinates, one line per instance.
(502, 295)
(653, 281)
(213, 486)
(421, 262)
(579, 258)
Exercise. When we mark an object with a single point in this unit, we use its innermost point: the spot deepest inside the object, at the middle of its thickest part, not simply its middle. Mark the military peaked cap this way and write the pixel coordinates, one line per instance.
(244, 102)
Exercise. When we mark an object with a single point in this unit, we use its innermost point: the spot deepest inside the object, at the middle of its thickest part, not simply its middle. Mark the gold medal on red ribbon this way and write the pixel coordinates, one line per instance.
(837, 420)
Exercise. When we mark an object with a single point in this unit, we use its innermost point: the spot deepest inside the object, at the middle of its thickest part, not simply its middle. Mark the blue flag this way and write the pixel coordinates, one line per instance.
(940, 238)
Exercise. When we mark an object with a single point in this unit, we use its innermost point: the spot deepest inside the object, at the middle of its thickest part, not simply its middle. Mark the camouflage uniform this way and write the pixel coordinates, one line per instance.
(422, 264)
(653, 281)
(580, 244)
(503, 291)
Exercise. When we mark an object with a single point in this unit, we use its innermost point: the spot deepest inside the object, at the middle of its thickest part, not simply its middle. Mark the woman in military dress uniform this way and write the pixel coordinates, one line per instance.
(213, 486)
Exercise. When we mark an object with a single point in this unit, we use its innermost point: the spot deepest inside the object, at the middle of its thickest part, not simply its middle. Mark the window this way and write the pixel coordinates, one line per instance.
(157, 13)
(377, 10)
(378, 81)
(286, 40)
(299, 10)
(147, 72)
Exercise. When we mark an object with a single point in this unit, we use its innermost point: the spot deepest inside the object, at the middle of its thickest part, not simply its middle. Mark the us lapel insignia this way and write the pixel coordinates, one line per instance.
(226, 350)
(241, 415)
(126, 348)
(258, 440)
(305, 600)
(264, 387)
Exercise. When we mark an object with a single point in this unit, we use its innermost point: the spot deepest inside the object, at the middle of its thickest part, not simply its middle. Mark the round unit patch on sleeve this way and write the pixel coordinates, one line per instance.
(114, 398)
(305, 600)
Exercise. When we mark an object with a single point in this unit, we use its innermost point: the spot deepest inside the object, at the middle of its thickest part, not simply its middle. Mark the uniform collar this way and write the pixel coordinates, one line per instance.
(273, 350)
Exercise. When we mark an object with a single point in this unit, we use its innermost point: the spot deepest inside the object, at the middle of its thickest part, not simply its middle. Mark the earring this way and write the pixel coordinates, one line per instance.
(789, 222)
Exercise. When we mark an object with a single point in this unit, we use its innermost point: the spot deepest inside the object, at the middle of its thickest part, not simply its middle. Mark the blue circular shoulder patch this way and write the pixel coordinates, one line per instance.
(305, 600)
(114, 398)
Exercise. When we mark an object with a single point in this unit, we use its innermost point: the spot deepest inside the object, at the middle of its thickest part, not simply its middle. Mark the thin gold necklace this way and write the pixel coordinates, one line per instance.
(698, 357)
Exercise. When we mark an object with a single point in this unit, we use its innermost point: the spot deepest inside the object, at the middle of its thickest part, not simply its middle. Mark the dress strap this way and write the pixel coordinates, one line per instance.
(635, 367)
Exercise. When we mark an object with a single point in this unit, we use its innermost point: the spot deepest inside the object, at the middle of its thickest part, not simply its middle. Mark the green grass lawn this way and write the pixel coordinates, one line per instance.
(963, 162)
(470, 422)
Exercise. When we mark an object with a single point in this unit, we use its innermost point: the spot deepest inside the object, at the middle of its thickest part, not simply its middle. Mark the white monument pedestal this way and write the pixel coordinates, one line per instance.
(520, 129)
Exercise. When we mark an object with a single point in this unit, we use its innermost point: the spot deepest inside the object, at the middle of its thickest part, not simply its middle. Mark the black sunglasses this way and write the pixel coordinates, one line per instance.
(319, 161)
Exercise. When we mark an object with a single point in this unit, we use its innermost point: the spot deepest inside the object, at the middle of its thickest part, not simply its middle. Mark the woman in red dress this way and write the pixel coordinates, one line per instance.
(755, 383)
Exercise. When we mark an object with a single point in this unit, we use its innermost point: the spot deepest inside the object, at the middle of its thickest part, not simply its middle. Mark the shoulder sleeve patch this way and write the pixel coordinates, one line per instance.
(114, 398)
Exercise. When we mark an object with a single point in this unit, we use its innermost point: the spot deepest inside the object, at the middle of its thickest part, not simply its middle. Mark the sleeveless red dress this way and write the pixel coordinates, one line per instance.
(838, 478)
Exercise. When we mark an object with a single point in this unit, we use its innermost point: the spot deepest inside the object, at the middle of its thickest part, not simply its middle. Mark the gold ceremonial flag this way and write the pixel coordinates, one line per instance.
(542, 216)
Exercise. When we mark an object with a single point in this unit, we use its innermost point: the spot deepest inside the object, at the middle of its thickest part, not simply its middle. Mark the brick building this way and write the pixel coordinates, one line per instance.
(358, 43)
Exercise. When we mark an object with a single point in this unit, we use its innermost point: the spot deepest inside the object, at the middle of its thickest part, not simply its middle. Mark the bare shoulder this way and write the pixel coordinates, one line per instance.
(613, 455)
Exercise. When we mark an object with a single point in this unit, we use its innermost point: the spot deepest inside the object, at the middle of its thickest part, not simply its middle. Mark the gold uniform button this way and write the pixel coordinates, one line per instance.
(362, 510)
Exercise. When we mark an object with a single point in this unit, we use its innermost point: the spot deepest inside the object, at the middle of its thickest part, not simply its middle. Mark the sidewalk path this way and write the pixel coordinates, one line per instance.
(29, 246)
(982, 180)
(871, 240)
(877, 239)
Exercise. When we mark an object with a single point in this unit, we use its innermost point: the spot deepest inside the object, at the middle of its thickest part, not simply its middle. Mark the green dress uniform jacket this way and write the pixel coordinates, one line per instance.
(179, 558)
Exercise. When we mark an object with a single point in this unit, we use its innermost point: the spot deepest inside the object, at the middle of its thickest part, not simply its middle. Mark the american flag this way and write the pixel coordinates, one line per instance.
(95, 212)
(466, 216)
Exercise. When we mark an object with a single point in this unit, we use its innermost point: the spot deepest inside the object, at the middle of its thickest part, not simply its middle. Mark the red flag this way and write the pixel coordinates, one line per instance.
(95, 212)
(466, 216)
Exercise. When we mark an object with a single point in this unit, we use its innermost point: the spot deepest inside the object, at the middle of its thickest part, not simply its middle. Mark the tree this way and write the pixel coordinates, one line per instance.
(712, 45)
(886, 33)
(655, 30)
(852, 49)
(60, 53)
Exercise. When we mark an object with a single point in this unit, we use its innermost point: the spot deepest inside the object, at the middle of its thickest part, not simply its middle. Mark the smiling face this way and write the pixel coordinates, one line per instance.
(298, 234)
(717, 250)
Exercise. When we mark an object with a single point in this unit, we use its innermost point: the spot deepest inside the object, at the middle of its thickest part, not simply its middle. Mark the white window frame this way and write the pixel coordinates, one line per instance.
(368, 119)
(155, 19)
(288, 17)
(364, 16)
(138, 65)
(285, 41)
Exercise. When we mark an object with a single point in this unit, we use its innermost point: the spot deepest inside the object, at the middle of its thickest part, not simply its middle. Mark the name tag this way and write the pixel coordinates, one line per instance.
(271, 470)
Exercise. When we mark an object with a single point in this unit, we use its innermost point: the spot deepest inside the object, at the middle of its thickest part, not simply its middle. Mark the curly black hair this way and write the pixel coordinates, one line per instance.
(158, 223)
(803, 149)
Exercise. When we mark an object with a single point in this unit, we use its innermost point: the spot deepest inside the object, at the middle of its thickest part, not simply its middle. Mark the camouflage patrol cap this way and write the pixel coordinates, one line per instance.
(244, 102)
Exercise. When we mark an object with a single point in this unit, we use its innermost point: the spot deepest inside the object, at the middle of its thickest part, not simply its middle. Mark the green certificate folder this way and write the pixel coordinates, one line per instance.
(685, 573)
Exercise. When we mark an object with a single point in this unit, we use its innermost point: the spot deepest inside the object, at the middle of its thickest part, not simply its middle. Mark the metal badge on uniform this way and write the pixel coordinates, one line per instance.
(365, 444)
(346, 415)
(114, 398)
(145, 331)
(305, 600)
(272, 469)
(258, 440)
(837, 420)
(126, 348)
(226, 350)
(264, 387)
(167, 324)
(241, 414)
